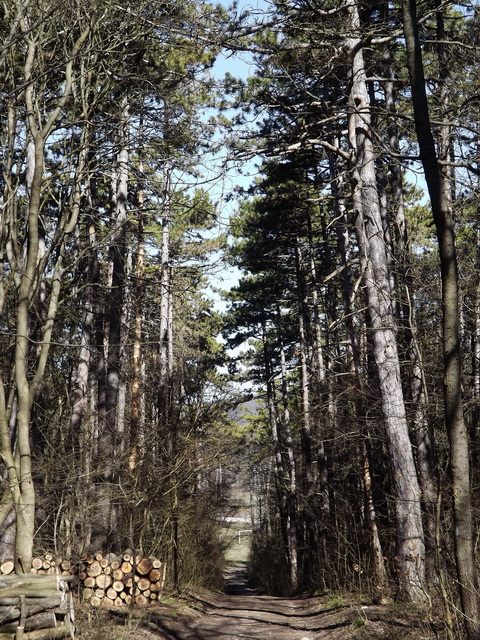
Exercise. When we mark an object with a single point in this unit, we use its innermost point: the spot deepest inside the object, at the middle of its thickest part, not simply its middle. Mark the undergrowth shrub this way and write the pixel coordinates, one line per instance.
(268, 568)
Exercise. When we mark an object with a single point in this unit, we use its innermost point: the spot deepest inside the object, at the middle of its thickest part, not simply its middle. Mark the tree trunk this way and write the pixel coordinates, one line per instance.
(135, 404)
(348, 294)
(115, 304)
(165, 303)
(110, 338)
(411, 550)
(324, 411)
(438, 187)
(290, 469)
(420, 426)
(475, 424)
(310, 475)
(280, 470)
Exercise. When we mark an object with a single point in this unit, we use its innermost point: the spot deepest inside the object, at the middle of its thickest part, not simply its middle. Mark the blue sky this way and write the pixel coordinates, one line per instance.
(239, 65)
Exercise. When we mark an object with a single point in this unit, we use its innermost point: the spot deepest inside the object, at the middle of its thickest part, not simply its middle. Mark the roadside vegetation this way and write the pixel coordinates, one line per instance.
(341, 380)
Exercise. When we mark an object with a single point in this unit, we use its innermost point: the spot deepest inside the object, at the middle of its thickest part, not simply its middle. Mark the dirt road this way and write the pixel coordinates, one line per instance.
(240, 614)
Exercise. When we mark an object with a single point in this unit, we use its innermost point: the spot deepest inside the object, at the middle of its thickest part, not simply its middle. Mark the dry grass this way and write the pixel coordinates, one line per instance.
(167, 619)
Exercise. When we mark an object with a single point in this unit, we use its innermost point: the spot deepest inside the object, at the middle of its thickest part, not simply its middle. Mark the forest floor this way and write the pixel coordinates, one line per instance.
(241, 614)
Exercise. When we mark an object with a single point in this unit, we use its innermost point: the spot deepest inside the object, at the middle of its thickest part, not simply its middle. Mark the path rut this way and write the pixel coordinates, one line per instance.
(240, 614)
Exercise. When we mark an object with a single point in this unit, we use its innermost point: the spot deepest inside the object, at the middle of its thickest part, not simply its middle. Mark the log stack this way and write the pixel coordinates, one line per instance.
(49, 565)
(34, 607)
(45, 566)
(118, 580)
(105, 579)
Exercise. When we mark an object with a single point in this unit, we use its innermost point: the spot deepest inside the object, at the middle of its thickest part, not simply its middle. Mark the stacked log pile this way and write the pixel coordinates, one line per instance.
(108, 579)
(114, 581)
(48, 565)
(34, 607)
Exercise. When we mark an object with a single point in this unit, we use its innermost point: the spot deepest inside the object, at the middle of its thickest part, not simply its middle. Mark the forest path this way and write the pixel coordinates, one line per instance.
(240, 614)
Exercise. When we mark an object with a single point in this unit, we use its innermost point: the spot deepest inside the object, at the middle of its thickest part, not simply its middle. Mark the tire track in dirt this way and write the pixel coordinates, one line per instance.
(239, 614)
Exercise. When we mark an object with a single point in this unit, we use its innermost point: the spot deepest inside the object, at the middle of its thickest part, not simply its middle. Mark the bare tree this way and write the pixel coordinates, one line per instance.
(28, 265)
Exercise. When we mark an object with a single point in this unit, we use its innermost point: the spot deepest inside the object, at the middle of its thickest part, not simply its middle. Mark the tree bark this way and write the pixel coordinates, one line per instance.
(165, 346)
(439, 191)
(310, 475)
(290, 469)
(411, 549)
(115, 306)
(348, 295)
(420, 425)
(135, 404)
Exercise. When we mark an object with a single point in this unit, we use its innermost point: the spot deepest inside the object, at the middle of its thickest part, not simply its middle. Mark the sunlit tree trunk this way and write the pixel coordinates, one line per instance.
(80, 429)
(411, 549)
(290, 468)
(110, 337)
(280, 471)
(323, 412)
(475, 428)
(348, 295)
(420, 426)
(117, 290)
(438, 184)
(165, 337)
(309, 467)
(135, 406)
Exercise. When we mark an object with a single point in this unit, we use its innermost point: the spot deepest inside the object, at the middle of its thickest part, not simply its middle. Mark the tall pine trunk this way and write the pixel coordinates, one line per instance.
(411, 548)
(110, 341)
(438, 184)
(348, 294)
(290, 469)
(136, 388)
(309, 466)
(420, 426)
(165, 338)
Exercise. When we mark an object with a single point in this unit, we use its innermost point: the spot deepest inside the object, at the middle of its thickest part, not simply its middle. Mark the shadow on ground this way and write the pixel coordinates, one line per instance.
(236, 580)
(240, 613)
